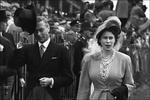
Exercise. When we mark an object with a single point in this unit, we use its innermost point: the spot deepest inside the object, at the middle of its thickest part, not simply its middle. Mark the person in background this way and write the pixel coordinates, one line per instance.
(137, 15)
(45, 14)
(110, 71)
(75, 26)
(48, 65)
(4, 25)
(123, 9)
(79, 45)
(138, 26)
(74, 32)
(103, 5)
(7, 46)
(11, 27)
(14, 7)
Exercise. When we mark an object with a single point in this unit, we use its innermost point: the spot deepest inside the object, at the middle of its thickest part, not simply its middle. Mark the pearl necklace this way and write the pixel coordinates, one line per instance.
(105, 66)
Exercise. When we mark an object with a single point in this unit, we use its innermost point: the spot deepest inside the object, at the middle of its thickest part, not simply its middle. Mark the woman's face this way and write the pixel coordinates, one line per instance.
(107, 40)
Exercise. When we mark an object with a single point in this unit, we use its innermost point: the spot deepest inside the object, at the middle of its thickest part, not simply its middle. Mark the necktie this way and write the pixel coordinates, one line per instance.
(42, 50)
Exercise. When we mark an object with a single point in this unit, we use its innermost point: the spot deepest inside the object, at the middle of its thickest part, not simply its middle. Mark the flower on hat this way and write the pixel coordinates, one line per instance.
(112, 21)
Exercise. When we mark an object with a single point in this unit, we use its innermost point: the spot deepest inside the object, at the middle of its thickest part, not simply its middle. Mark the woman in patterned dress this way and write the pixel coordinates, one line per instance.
(106, 69)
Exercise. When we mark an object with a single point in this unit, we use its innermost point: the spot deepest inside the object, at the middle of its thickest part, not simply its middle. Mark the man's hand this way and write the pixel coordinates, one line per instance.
(1, 47)
(22, 82)
(45, 81)
(19, 45)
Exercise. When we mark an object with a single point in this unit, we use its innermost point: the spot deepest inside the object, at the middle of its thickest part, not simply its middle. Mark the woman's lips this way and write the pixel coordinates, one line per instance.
(108, 46)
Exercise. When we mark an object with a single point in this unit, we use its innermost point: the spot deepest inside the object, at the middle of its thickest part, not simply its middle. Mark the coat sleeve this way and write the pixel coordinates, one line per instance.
(85, 82)
(66, 77)
(18, 59)
(5, 55)
(128, 78)
(78, 55)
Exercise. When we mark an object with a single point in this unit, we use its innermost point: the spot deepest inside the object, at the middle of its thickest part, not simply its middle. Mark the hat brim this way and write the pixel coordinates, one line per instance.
(114, 29)
(112, 24)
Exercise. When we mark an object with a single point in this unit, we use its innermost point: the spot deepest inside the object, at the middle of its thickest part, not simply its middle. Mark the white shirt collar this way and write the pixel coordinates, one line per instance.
(45, 44)
(1, 34)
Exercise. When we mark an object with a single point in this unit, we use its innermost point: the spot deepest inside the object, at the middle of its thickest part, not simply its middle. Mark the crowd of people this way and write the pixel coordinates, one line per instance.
(99, 52)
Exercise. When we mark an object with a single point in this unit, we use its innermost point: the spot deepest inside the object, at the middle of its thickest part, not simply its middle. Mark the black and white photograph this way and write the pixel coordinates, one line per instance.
(74, 49)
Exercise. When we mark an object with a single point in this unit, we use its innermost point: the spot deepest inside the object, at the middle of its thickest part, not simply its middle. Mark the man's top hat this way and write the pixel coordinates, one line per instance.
(26, 19)
(3, 16)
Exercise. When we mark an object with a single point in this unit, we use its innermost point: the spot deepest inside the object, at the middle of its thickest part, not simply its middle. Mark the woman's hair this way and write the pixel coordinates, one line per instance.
(112, 29)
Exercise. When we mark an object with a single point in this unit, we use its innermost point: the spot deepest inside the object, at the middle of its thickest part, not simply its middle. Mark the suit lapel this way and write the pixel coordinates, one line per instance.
(36, 52)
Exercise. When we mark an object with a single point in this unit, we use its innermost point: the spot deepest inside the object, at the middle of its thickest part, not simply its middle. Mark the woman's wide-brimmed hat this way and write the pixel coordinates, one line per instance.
(26, 19)
(112, 23)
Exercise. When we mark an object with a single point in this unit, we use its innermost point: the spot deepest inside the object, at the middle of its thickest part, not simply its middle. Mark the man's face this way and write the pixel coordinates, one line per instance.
(13, 10)
(88, 34)
(76, 28)
(8, 13)
(45, 14)
(42, 32)
(3, 26)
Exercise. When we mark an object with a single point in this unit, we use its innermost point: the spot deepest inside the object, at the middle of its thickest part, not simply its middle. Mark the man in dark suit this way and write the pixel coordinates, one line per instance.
(48, 69)
(7, 46)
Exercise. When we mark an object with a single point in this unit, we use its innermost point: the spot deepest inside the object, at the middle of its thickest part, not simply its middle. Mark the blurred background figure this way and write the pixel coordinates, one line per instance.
(123, 9)
(45, 14)
(81, 43)
(7, 46)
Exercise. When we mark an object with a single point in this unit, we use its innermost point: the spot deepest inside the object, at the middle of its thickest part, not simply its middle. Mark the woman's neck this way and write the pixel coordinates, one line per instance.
(106, 53)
